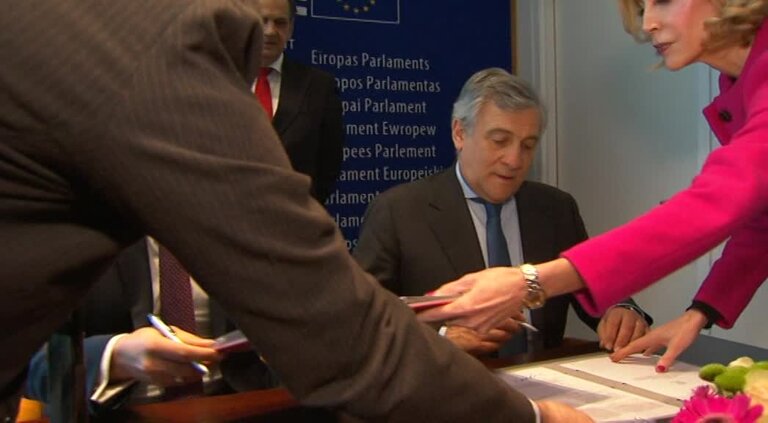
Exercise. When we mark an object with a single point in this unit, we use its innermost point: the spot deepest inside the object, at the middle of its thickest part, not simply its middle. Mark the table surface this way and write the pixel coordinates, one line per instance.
(277, 405)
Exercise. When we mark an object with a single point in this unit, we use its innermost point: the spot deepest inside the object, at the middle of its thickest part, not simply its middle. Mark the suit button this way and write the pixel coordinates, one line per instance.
(725, 116)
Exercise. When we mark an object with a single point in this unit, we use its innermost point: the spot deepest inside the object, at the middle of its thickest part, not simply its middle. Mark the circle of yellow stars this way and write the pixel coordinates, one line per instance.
(357, 9)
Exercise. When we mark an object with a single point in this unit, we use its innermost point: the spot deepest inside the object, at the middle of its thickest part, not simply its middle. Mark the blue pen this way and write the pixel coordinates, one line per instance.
(167, 332)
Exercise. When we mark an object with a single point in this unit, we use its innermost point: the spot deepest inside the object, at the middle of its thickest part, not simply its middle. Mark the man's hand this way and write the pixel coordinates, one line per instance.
(479, 344)
(554, 412)
(676, 335)
(147, 356)
(489, 298)
(620, 326)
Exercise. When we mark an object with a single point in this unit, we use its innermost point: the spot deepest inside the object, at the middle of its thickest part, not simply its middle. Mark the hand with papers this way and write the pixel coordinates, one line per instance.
(488, 296)
(677, 335)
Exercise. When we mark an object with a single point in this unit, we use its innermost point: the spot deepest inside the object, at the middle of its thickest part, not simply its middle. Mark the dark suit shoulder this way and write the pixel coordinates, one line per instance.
(543, 191)
(310, 72)
(415, 190)
(536, 197)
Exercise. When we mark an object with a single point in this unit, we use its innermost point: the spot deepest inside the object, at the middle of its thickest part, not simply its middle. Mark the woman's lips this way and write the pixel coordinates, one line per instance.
(661, 48)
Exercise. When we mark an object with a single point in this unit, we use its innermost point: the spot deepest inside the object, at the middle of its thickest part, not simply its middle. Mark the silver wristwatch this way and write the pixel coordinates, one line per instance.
(536, 296)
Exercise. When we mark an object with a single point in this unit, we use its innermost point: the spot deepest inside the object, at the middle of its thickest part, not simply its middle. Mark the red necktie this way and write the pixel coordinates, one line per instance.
(263, 92)
(176, 304)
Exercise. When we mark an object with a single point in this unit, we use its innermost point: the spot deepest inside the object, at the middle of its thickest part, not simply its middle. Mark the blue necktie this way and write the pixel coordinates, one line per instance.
(496, 243)
(498, 255)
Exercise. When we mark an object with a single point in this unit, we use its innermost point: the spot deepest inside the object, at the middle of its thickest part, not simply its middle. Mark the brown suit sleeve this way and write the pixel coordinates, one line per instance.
(184, 152)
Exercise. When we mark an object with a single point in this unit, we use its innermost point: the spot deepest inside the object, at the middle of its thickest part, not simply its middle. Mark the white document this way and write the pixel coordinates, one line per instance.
(638, 371)
(601, 402)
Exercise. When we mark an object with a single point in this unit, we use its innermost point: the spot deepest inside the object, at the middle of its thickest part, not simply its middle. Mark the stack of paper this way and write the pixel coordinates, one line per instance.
(630, 391)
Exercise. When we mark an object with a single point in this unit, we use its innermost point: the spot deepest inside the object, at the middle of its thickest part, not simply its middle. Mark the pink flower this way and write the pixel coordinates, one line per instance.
(706, 406)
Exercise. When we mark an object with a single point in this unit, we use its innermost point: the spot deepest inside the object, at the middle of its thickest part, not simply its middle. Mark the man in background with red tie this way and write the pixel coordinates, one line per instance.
(303, 102)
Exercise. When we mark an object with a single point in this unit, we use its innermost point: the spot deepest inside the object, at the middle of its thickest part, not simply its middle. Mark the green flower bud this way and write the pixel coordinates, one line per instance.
(710, 371)
(732, 379)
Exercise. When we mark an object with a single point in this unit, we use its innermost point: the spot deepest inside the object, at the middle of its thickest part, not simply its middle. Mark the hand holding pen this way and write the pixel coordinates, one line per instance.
(145, 355)
(169, 333)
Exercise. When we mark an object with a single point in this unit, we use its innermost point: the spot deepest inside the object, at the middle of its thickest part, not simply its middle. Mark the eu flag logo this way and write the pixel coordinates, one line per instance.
(378, 11)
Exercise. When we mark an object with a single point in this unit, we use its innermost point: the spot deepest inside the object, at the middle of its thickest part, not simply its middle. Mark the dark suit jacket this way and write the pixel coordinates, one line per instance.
(125, 118)
(119, 303)
(420, 235)
(309, 122)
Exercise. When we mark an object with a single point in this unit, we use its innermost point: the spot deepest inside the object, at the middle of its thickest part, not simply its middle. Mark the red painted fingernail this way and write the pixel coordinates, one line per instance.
(430, 293)
(661, 369)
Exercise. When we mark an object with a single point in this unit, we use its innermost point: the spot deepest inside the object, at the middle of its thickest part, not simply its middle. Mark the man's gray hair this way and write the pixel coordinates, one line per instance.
(507, 91)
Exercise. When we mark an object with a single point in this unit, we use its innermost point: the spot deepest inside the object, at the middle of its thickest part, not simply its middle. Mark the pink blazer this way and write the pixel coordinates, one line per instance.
(728, 199)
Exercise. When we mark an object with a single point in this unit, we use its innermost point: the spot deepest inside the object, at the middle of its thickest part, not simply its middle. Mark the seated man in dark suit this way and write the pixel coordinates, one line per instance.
(126, 360)
(419, 235)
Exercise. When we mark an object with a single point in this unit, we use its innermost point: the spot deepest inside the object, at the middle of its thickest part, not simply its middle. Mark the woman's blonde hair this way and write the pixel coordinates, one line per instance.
(736, 25)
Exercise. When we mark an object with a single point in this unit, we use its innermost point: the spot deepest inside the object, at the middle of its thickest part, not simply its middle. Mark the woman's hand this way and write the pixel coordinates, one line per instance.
(677, 335)
(488, 298)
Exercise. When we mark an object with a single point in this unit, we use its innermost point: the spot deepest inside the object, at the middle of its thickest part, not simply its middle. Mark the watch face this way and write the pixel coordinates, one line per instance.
(535, 298)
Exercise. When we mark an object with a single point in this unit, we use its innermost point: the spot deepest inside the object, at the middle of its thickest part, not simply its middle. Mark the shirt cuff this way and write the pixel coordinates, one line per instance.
(536, 410)
(103, 392)
(711, 314)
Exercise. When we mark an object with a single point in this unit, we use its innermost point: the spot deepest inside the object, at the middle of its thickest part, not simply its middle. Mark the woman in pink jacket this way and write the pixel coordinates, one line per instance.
(727, 200)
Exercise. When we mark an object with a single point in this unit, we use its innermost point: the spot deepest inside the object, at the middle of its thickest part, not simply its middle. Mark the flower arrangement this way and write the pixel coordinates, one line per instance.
(739, 394)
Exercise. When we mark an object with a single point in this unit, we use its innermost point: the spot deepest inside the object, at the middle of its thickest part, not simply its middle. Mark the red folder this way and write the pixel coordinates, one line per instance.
(234, 341)
(423, 302)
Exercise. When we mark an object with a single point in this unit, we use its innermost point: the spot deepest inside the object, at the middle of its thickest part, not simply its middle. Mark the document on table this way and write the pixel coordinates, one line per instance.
(607, 391)
(602, 403)
(678, 382)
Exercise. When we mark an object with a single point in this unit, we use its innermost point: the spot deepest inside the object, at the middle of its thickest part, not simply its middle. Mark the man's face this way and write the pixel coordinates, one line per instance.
(496, 156)
(278, 28)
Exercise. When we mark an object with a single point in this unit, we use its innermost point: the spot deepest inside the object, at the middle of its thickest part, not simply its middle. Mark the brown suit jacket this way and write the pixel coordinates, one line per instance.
(132, 117)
